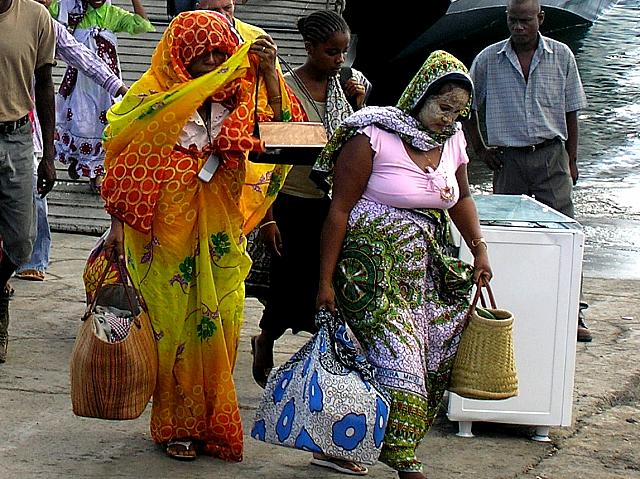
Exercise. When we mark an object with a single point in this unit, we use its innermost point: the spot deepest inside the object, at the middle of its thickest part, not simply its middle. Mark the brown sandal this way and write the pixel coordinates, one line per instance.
(95, 184)
(181, 450)
(30, 275)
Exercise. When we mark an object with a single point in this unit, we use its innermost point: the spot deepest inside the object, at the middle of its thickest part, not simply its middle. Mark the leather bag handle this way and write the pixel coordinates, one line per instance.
(125, 280)
(298, 81)
(478, 296)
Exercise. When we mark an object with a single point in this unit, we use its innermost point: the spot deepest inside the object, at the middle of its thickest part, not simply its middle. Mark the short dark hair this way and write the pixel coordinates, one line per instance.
(320, 25)
(536, 3)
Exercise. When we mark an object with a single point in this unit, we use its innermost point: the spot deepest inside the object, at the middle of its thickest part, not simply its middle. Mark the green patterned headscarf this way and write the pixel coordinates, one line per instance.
(437, 69)
(440, 67)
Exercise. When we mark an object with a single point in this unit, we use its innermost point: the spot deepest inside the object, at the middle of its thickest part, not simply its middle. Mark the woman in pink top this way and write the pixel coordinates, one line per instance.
(397, 174)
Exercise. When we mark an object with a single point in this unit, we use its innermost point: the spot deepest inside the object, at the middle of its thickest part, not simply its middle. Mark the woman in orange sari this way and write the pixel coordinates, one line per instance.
(183, 236)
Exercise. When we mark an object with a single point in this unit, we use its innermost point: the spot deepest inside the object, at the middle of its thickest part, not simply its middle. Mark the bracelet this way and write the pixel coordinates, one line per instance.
(478, 241)
(272, 222)
(275, 99)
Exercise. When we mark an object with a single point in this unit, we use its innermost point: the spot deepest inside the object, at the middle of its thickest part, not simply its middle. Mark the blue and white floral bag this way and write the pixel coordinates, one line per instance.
(325, 399)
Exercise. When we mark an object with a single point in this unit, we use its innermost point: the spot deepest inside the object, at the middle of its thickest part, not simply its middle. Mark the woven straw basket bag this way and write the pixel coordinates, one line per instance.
(484, 366)
(114, 380)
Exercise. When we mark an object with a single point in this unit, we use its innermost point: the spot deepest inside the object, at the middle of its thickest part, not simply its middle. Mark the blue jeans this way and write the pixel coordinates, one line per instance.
(40, 255)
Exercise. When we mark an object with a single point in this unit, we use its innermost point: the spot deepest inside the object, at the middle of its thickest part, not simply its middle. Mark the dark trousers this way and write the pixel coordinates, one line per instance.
(543, 174)
(291, 299)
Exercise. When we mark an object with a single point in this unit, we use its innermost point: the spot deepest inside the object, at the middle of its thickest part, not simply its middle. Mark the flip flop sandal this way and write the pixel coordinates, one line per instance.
(260, 373)
(340, 465)
(31, 275)
(181, 450)
(9, 290)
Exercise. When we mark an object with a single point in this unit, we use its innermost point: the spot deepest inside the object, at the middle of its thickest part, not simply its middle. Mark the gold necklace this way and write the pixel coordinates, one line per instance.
(447, 193)
(430, 164)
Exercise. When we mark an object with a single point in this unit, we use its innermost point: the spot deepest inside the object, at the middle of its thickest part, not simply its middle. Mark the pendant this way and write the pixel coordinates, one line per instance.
(447, 193)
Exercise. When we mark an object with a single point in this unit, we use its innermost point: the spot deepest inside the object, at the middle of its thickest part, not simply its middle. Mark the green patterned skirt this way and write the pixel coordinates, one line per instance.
(403, 297)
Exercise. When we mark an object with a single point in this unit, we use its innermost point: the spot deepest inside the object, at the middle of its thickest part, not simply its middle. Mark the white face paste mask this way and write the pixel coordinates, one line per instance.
(440, 111)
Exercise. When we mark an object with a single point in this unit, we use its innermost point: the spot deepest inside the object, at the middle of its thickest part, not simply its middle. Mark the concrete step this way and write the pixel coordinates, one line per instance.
(74, 208)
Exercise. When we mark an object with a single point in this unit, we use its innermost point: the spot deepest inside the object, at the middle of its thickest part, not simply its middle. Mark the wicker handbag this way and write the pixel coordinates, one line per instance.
(484, 366)
(114, 380)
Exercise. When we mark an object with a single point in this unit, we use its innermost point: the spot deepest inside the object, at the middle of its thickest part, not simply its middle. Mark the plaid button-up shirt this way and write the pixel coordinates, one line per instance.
(519, 112)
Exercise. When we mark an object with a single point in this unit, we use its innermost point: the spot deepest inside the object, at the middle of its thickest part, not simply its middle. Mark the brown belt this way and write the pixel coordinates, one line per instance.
(532, 148)
(10, 126)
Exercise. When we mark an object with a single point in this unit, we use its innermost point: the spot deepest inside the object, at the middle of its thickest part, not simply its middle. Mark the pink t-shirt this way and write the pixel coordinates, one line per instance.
(397, 181)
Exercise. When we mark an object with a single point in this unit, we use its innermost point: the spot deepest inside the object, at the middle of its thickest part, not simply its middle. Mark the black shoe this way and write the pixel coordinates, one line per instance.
(584, 335)
(71, 169)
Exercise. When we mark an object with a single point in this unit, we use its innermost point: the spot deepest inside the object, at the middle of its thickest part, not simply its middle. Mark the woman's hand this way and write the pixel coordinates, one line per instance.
(266, 50)
(270, 235)
(326, 298)
(355, 89)
(114, 242)
(482, 273)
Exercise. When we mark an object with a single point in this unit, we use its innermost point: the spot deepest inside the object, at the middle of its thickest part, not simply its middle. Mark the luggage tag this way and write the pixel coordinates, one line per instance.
(209, 168)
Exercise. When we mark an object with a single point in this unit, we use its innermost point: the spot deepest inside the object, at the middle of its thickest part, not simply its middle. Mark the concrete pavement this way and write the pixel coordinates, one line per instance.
(41, 438)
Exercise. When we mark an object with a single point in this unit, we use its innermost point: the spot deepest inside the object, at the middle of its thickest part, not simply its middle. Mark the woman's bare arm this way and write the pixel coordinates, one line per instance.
(465, 217)
(352, 171)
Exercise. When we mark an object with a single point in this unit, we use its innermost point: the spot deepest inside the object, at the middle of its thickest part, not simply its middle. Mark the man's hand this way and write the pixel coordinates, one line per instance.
(46, 176)
(489, 155)
(573, 170)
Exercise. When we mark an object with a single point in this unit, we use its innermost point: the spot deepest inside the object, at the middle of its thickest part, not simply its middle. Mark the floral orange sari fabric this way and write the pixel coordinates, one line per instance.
(144, 127)
(184, 238)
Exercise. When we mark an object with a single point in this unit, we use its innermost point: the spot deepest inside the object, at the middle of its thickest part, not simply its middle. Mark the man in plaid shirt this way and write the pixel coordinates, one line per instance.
(531, 90)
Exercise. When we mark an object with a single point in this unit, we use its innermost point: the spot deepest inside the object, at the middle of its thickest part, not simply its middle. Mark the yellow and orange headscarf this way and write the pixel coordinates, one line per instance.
(144, 127)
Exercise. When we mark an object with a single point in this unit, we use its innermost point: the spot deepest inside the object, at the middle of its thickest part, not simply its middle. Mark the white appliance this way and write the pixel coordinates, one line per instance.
(536, 258)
